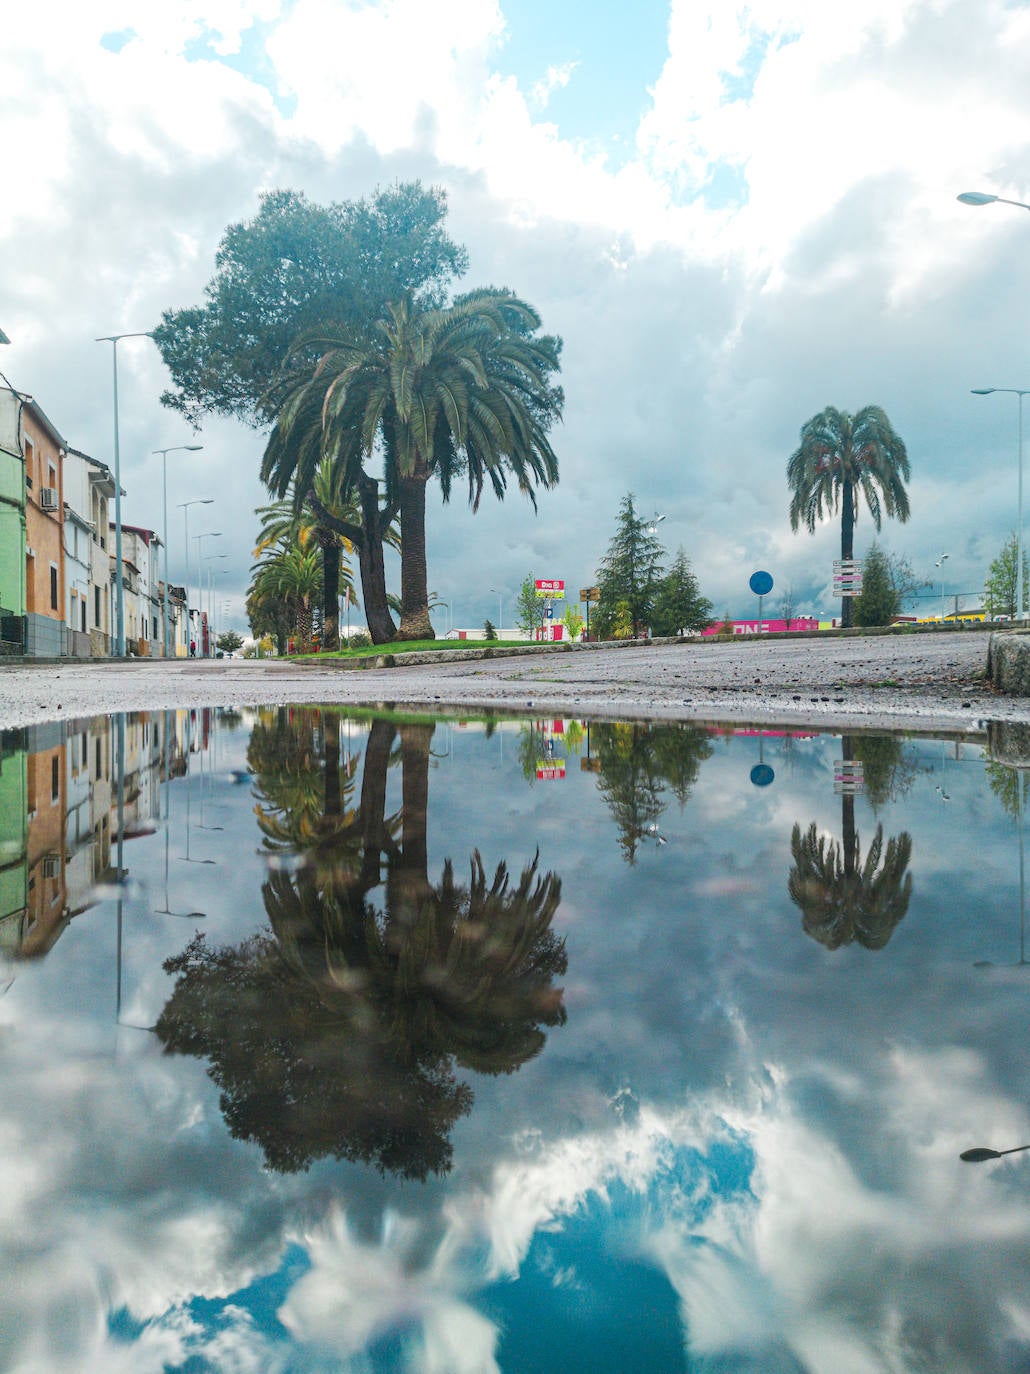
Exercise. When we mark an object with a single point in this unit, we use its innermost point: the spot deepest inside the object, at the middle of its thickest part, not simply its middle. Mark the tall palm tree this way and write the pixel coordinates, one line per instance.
(841, 456)
(436, 392)
(293, 576)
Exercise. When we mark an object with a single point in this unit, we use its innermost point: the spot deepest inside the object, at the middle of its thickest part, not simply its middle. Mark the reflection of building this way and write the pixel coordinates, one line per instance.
(47, 803)
(14, 831)
(59, 799)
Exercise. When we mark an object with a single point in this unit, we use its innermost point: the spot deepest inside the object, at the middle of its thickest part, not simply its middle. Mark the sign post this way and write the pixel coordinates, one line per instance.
(586, 595)
(761, 584)
(550, 589)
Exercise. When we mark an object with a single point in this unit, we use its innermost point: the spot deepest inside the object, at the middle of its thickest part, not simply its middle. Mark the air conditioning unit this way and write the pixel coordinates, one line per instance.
(51, 865)
(48, 498)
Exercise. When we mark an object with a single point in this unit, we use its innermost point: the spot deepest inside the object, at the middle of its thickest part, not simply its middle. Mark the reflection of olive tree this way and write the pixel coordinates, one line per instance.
(637, 763)
(339, 1033)
(843, 899)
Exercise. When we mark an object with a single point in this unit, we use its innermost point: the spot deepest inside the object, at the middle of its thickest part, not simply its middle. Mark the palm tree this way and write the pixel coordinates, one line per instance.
(839, 457)
(437, 392)
(282, 520)
(293, 576)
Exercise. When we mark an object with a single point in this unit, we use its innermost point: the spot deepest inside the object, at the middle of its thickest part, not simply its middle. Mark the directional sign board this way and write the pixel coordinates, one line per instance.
(590, 594)
(847, 577)
(550, 587)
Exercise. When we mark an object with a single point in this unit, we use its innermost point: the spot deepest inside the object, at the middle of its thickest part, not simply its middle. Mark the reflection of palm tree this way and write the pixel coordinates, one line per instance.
(843, 899)
(340, 1035)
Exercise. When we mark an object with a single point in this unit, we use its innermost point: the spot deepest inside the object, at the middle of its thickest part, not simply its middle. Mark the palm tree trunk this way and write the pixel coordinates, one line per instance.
(330, 594)
(849, 840)
(415, 622)
(847, 546)
(372, 566)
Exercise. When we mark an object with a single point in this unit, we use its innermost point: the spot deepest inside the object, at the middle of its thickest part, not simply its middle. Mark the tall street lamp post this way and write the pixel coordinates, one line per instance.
(940, 564)
(1014, 391)
(207, 534)
(185, 505)
(500, 608)
(211, 558)
(164, 452)
(113, 340)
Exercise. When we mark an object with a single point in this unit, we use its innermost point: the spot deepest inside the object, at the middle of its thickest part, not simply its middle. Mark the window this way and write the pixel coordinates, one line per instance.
(55, 778)
(30, 463)
(98, 756)
(53, 588)
(82, 614)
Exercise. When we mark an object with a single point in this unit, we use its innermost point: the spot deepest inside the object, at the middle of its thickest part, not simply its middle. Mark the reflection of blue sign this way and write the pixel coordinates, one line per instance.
(762, 775)
(761, 583)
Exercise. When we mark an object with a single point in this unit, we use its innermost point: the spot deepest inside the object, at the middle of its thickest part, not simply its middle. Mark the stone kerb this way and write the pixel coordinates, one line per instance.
(1008, 663)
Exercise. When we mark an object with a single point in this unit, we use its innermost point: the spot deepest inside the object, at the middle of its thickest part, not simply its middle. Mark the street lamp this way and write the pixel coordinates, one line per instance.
(940, 564)
(206, 534)
(500, 607)
(983, 198)
(1014, 391)
(185, 506)
(113, 339)
(212, 558)
(164, 452)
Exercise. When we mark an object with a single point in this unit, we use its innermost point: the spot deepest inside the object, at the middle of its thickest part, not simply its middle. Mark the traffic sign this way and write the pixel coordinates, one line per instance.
(590, 594)
(761, 583)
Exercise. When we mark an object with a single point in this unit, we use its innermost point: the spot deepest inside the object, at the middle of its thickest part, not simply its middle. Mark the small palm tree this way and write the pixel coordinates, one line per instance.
(841, 456)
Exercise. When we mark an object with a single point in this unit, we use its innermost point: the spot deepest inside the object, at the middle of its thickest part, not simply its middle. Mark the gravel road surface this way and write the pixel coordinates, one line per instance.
(925, 681)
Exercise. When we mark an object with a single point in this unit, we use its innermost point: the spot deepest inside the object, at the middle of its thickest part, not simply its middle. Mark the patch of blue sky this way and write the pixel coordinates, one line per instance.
(619, 51)
(117, 39)
(726, 187)
(740, 85)
(588, 1296)
(260, 1300)
(251, 60)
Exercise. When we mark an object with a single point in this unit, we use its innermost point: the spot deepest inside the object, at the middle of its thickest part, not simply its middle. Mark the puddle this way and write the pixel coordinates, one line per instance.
(353, 1042)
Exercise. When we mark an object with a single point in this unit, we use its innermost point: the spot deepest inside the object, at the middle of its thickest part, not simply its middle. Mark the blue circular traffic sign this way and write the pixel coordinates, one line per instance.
(761, 583)
(762, 775)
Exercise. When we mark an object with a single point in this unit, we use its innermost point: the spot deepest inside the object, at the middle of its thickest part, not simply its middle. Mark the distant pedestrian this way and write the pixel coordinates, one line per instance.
(193, 648)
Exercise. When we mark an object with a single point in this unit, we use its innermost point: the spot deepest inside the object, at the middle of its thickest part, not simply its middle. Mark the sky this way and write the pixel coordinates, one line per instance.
(733, 214)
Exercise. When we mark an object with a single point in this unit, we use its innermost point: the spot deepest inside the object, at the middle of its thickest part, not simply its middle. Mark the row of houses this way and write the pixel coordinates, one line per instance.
(58, 584)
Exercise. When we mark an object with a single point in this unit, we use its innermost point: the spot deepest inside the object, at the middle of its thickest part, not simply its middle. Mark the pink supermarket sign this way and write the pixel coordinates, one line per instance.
(769, 627)
(550, 586)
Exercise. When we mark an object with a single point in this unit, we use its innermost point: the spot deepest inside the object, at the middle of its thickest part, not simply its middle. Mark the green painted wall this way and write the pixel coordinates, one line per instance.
(14, 840)
(12, 505)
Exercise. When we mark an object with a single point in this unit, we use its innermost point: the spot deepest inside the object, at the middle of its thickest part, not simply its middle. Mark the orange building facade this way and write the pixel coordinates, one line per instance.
(43, 448)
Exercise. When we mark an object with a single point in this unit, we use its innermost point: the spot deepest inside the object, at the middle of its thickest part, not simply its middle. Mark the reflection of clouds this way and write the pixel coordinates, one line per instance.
(355, 1293)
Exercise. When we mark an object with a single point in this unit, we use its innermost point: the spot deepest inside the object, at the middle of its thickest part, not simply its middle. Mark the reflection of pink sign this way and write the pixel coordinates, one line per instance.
(550, 770)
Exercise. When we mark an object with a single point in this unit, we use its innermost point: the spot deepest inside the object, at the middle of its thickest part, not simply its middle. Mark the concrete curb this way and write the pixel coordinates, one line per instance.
(1008, 663)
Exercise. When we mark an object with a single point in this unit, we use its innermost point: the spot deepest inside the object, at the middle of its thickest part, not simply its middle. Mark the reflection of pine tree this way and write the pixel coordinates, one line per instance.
(340, 1035)
(637, 762)
(887, 768)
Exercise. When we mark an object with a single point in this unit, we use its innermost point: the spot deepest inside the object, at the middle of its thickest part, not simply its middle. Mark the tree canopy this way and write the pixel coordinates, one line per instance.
(630, 574)
(297, 266)
(841, 457)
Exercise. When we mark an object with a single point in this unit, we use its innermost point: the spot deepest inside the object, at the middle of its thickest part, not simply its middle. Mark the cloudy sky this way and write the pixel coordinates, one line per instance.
(734, 214)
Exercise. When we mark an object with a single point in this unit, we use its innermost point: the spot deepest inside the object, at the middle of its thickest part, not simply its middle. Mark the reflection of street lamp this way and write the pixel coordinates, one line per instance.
(940, 564)
(1014, 391)
(655, 522)
(112, 339)
(164, 452)
(982, 198)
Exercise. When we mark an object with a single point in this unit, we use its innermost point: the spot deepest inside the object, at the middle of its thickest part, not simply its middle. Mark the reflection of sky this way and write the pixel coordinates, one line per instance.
(740, 1153)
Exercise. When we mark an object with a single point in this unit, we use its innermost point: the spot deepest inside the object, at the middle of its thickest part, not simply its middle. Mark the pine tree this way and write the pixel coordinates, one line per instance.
(679, 604)
(631, 572)
(879, 602)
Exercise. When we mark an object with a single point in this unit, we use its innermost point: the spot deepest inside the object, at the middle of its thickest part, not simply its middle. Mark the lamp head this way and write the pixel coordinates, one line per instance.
(976, 198)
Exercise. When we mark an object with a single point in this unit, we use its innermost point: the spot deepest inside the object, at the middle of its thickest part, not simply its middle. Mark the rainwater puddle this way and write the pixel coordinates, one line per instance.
(340, 1042)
